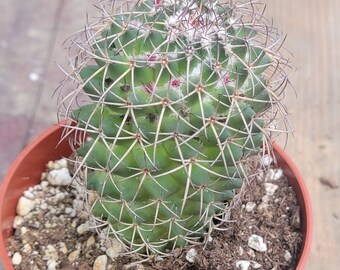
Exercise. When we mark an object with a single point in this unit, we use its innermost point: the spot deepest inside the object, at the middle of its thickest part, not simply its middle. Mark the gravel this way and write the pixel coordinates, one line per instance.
(53, 230)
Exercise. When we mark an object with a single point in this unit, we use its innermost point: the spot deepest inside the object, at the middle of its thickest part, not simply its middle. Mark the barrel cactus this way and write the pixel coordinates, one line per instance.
(175, 97)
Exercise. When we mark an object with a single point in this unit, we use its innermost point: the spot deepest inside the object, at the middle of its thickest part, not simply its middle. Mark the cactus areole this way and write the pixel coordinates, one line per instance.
(175, 98)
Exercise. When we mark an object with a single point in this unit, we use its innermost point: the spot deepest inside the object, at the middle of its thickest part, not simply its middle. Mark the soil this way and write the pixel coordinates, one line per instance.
(51, 238)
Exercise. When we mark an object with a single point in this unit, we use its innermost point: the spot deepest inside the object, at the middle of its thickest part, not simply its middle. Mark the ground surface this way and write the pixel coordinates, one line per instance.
(30, 40)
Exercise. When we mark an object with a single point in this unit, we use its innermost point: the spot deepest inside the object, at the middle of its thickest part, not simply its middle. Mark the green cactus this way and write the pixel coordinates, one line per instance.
(180, 95)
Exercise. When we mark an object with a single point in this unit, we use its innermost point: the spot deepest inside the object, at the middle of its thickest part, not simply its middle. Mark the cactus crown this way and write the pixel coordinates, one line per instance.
(175, 97)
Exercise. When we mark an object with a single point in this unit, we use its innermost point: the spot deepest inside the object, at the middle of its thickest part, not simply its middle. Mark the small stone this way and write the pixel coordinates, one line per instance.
(44, 184)
(62, 248)
(256, 242)
(68, 210)
(59, 197)
(43, 206)
(29, 195)
(191, 255)
(18, 220)
(251, 253)
(50, 253)
(100, 263)
(114, 249)
(266, 160)
(270, 188)
(23, 230)
(287, 256)
(50, 165)
(256, 265)
(59, 177)
(74, 255)
(250, 206)
(278, 174)
(74, 224)
(58, 164)
(240, 251)
(24, 206)
(83, 228)
(77, 205)
(91, 241)
(17, 258)
(243, 265)
(266, 199)
(27, 248)
(262, 207)
(51, 265)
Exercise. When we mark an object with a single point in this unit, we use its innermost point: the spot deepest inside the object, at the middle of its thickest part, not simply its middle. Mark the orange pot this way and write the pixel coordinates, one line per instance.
(26, 170)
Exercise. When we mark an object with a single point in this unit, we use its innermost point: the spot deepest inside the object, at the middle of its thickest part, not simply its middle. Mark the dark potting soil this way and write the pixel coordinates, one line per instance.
(50, 238)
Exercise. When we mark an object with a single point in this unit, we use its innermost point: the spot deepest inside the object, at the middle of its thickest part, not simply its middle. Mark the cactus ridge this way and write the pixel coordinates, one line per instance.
(176, 97)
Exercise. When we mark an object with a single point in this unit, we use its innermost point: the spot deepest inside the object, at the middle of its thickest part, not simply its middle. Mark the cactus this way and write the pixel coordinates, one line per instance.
(175, 98)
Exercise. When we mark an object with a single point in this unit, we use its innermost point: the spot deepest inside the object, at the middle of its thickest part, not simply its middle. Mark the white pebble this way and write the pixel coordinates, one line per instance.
(240, 251)
(250, 206)
(24, 206)
(17, 258)
(59, 177)
(18, 220)
(100, 263)
(27, 248)
(262, 207)
(51, 265)
(278, 174)
(257, 243)
(77, 205)
(191, 255)
(256, 265)
(62, 248)
(61, 163)
(23, 230)
(50, 253)
(270, 188)
(59, 197)
(29, 195)
(287, 256)
(57, 165)
(251, 253)
(43, 206)
(243, 265)
(266, 160)
(74, 255)
(83, 228)
(68, 210)
(44, 184)
(115, 249)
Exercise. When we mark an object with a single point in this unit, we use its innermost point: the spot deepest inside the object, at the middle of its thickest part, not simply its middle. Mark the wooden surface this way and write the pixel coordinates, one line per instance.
(31, 35)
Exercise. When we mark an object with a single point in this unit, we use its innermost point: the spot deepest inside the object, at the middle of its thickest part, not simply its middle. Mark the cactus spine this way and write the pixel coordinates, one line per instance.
(176, 97)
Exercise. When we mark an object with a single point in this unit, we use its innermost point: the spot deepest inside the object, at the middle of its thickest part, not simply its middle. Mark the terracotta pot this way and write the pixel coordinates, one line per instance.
(26, 170)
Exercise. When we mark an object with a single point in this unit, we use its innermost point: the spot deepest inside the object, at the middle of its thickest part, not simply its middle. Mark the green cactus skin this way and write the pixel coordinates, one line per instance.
(180, 95)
